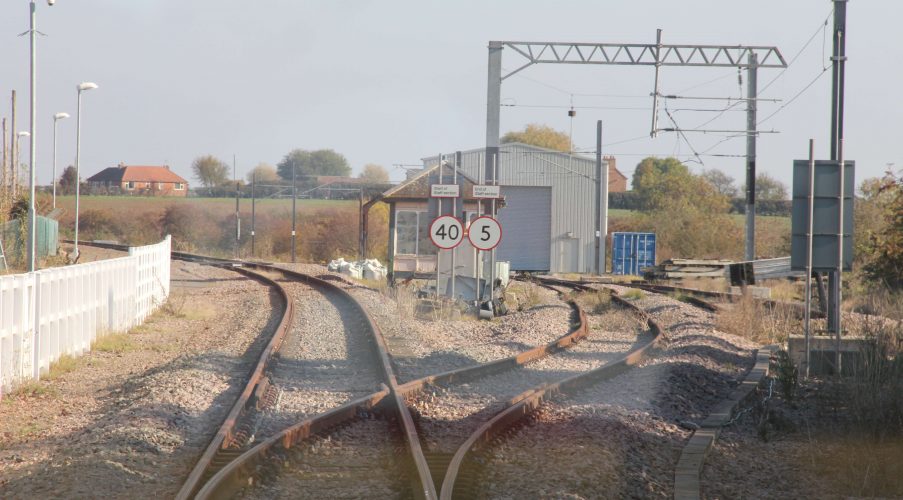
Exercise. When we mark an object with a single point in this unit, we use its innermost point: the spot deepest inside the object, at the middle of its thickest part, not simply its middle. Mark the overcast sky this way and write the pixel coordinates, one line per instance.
(390, 82)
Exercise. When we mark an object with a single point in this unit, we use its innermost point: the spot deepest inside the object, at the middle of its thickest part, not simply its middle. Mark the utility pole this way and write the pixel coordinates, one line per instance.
(253, 210)
(360, 224)
(601, 202)
(32, 249)
(751, 107)
(837, 94)
(3, 188)
(294, 212)
(14, 147)
(237, 223)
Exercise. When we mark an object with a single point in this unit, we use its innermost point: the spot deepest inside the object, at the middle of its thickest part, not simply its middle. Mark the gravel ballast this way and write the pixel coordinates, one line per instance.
(622, 438)
(326, 360)
(130, 420)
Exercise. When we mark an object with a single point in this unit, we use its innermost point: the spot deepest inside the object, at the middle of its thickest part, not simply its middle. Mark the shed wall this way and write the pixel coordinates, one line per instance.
(573, 196)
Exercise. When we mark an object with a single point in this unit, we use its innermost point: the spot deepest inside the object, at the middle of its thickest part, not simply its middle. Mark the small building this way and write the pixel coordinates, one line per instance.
(547, 211)
(138, 180)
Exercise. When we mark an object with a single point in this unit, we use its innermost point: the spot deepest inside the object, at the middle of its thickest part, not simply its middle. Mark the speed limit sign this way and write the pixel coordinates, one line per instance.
(446, 232)
(485, 233)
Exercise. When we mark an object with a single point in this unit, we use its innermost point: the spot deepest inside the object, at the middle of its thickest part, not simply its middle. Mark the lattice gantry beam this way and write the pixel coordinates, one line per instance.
(643, 54)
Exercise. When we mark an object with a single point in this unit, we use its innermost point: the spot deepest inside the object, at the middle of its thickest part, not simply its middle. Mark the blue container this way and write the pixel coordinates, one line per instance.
(632, 252)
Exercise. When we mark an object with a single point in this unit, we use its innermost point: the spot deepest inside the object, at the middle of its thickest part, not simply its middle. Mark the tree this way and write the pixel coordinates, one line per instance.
(722, 182)
(313, 163)
(374, 173)
(654, 177)
(263, 172)
(68, 181)
(769, 188)
(210, 170)
(885, 244)
(542, 136)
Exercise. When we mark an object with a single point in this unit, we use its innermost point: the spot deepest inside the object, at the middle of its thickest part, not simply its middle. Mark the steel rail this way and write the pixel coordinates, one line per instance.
(531, 400)
(232, 475)
(427, 488)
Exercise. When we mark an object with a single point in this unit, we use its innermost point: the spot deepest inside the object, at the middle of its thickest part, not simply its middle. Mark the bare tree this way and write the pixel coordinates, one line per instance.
(210, 170)
(374, 173)
(722, 182)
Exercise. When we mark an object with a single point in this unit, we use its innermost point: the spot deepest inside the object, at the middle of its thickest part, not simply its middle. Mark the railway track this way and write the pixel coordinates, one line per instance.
(259, 457)
(218, 472)
(461, 474)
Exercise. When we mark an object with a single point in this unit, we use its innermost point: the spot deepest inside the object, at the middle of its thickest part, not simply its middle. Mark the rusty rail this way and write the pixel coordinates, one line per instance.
(529, 401)
(249, 397)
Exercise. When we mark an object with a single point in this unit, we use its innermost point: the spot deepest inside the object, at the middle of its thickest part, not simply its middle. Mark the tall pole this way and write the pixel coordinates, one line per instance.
(253, 210)
(3, 192)
(237, 222)
(839, 58)
(751, 107)
(360, 224)
(31, 142)
(294, 212)
(78, 146)
(493, 104)
(840, 231)
(53, 179)
(809, 237)
(655, 92)
(601, 203)
(14, 151)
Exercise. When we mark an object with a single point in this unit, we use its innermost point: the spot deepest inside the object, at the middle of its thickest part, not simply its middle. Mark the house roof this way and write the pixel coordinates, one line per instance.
(417, 187)
(137, 173)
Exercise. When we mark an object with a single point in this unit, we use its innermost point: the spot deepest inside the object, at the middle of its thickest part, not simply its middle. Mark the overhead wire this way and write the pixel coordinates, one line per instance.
(822, 27)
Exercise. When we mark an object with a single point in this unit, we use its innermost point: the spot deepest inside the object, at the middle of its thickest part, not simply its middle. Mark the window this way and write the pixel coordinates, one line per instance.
(412, 233)
(406, 232)
(130, 185)
(179, 186)
(159, 186)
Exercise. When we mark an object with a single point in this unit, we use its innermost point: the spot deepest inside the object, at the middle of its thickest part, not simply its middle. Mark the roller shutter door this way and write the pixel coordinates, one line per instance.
(526, 228)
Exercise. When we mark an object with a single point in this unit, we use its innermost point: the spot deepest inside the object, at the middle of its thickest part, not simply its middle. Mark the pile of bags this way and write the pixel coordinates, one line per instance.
(370, 269)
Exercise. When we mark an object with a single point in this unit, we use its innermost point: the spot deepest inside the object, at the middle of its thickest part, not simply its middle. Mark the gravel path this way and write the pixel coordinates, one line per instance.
(363, 459)
(622, 438)
(325, 361)
(129, 421)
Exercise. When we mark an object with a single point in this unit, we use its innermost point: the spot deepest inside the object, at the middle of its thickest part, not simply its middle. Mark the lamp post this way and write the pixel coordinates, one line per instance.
(82, 87)
(57, 117)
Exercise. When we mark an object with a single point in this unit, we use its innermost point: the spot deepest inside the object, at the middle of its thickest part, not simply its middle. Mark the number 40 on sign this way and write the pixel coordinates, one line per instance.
(447, 232)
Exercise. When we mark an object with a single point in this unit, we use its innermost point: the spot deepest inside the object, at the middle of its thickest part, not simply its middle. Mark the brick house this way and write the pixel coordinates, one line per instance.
(139, 180)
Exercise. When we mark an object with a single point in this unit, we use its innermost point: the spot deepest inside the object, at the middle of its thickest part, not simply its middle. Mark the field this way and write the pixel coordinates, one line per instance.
(208, 224)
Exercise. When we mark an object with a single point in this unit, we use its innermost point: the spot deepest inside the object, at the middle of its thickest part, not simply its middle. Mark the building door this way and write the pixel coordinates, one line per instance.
(569, 257)
(526, 228)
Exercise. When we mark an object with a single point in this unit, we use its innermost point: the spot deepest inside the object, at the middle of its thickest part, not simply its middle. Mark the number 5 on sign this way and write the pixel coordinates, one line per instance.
(485, 233)
(446, 232)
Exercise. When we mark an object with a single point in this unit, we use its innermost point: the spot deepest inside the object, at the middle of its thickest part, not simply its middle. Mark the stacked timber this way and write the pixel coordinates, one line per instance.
(688, 268)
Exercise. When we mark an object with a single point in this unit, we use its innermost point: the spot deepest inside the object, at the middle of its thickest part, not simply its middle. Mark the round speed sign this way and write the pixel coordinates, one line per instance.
(485, 233)
(446, 232)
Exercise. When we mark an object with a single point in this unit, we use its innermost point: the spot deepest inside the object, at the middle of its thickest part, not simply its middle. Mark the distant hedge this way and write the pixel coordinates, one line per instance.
(763, 207)
(630, 200)
(626, 200)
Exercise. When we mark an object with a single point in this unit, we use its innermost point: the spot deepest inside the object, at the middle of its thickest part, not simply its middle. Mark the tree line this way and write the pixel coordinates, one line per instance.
(304, 165)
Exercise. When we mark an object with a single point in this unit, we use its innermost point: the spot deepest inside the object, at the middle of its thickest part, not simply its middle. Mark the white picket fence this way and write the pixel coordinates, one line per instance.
(58, 311)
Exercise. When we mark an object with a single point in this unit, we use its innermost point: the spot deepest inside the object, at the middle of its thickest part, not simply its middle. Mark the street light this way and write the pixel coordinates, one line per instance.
(31, 157)
(57, 117)
(82, 87)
